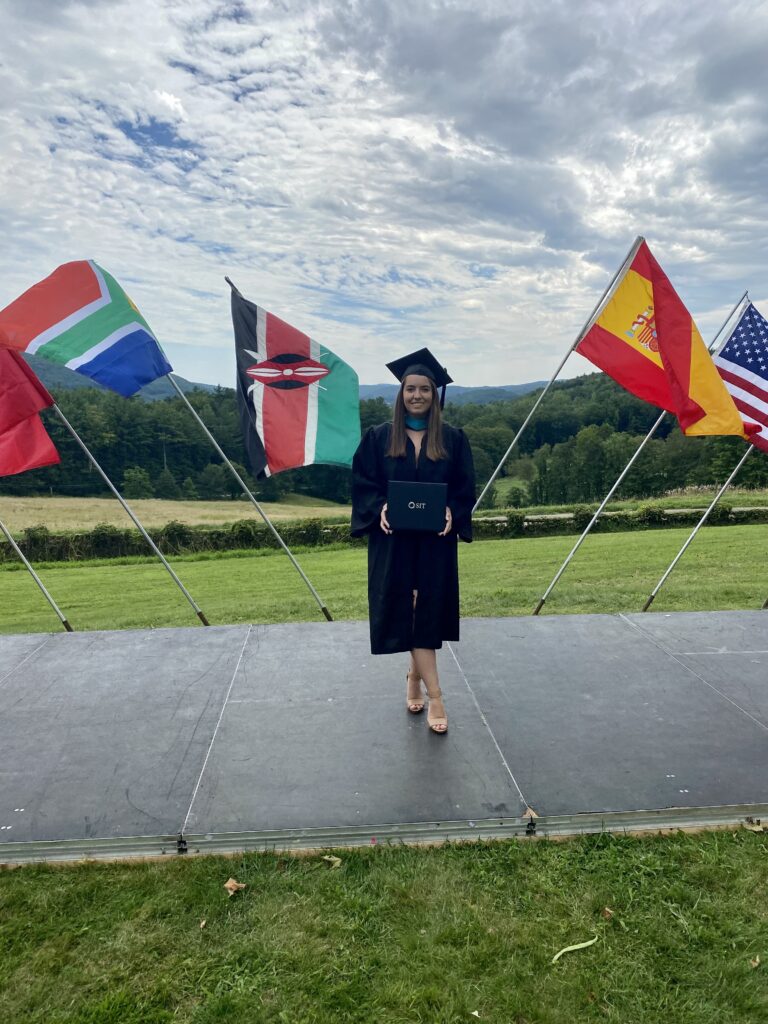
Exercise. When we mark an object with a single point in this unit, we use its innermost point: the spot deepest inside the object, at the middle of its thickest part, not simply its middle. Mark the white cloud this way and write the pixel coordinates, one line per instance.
(383, 173)
(173, 103)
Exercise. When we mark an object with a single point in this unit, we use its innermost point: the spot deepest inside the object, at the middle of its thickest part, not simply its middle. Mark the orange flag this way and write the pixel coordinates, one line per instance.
(646, 339)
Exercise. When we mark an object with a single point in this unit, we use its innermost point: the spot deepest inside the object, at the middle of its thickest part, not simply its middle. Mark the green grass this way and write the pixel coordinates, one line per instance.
(724, 568)
(397, 935)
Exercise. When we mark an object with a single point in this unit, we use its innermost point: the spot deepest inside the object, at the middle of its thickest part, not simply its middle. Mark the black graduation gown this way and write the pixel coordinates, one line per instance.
(408, 560)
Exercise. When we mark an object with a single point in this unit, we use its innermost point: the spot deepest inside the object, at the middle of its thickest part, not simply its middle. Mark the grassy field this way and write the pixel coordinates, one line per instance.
(63, 514)
(724, 568)
(395, 935)
(84, 513)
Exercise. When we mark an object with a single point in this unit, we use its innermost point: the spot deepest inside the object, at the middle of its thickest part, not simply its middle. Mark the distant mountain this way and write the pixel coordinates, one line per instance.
(59, 378)
(457, 394)
(162, 388)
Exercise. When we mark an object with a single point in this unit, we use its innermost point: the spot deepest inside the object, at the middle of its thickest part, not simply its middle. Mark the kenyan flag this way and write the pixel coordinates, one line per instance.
(299, 403)
(80, 317)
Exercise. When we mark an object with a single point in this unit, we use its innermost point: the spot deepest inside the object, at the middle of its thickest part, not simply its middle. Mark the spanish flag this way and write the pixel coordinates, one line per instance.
(645, 338)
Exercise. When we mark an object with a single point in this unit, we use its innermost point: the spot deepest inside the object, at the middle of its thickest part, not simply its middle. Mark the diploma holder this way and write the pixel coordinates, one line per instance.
(412, 505)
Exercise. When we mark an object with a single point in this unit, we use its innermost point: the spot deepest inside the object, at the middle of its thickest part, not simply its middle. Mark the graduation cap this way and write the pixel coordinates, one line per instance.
(424, 364)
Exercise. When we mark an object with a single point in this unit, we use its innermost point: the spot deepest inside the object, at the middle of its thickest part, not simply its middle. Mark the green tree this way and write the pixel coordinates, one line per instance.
(374, 411)
(166, 486)
(234, 490)
(137, 483)
(494, 441)
(272, 488)
(212, 482)
(188, 490)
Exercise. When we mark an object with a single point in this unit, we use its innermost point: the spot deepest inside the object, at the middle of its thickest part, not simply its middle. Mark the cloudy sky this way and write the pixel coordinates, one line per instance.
(386, 173)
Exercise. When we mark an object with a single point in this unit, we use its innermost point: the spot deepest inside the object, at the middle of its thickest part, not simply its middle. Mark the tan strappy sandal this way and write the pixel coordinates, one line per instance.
(439, 723)
(416, 704)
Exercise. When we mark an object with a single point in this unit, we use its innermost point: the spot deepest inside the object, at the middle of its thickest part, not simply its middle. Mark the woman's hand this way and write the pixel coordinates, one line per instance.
(383, 521)
(448, 523)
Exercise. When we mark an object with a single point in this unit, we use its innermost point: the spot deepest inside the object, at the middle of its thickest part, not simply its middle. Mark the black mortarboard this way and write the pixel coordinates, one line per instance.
(424, 364)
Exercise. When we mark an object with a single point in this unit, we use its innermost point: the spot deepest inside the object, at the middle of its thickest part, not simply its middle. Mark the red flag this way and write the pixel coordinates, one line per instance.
(646, 339)
(24, 442)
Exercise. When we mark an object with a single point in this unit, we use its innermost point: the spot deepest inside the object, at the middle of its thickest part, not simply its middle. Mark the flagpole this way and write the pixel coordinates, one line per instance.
(714, 348)
(623, 474)
(64, 621)
(246, 490)
(726, 485)
(593, 316)
(139, 527)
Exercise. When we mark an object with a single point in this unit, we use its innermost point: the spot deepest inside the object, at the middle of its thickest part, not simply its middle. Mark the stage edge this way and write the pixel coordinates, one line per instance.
(671, 819)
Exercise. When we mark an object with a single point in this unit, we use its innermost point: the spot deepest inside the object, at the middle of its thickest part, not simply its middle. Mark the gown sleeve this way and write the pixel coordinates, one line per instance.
(462, 487)
(368, 485)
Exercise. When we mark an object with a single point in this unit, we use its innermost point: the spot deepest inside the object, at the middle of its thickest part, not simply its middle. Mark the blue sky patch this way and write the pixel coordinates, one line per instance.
(153, 134)
(481, 270)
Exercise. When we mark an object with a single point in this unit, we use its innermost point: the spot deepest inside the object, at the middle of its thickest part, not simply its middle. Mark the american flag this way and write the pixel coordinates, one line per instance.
(742, 362)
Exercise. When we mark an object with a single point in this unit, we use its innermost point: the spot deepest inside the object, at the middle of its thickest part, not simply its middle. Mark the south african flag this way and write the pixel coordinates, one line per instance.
(80, 317)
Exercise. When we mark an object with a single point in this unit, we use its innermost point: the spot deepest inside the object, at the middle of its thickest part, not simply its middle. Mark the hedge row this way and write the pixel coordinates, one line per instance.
(39, 544)
(103, 541)
(650, 516)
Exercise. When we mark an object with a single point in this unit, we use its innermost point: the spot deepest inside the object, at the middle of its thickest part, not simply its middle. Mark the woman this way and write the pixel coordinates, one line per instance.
(413, 577)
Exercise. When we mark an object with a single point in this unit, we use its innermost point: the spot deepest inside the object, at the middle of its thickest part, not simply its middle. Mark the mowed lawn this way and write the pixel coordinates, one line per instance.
(725, 567)
(398, 935)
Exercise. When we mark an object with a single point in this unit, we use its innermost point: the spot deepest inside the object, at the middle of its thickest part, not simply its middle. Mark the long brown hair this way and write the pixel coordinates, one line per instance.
(397, 437)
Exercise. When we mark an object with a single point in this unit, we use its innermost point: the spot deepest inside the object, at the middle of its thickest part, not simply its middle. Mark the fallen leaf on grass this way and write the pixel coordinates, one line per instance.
(755, 962)
(202, 924)
(570, 949)
(333, 862)
(475, 1013)
(607, 913)
(232, 886)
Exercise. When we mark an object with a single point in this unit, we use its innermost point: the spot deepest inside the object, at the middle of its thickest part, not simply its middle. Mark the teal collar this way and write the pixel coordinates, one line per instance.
(416, 422)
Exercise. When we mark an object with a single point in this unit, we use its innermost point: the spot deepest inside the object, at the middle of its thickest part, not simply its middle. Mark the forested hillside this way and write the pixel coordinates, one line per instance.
(578, 442)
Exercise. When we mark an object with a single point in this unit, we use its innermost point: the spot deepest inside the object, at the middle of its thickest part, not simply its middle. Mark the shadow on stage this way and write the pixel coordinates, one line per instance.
(161, 742)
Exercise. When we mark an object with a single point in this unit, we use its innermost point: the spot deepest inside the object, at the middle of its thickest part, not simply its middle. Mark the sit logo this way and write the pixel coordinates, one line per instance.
(417, 504)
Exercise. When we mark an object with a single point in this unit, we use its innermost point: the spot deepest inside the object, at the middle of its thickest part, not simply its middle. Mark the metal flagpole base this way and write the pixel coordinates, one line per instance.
(539, 606)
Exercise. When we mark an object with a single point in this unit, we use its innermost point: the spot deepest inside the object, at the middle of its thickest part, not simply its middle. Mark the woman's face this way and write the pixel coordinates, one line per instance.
(417, 394)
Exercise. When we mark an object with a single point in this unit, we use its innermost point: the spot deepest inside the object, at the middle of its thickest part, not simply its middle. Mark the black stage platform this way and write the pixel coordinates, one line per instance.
(293, 736)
